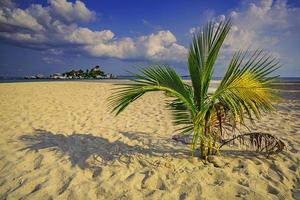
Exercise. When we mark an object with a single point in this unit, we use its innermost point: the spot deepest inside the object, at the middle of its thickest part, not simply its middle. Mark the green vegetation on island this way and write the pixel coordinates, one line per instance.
(94, 73)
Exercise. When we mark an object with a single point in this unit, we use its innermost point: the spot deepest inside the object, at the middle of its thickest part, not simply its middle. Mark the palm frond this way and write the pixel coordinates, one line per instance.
(181, 116)
(261, 142)
(154, 78)
(246, 86)
(202, 56)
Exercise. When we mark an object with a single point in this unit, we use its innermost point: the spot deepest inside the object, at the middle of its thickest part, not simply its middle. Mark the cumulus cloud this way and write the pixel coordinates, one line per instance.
(157, 46)
(160, 45)
(71, 12)
(55, 28)
(89, 37)
(262, 24)
(272, 25)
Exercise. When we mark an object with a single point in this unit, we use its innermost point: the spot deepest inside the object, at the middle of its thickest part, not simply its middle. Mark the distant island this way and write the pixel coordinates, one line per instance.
(94, 73)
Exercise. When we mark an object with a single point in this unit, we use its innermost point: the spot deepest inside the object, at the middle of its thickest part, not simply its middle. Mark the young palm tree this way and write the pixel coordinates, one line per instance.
(245, 91)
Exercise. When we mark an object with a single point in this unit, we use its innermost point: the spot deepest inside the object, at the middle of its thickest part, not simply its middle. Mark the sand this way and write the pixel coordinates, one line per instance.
(59, 141)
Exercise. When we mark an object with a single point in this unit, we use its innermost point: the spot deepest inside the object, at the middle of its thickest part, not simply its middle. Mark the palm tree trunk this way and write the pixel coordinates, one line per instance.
(202, 148)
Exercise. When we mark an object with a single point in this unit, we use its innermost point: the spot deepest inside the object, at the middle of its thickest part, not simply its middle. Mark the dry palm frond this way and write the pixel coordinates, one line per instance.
(261, 142)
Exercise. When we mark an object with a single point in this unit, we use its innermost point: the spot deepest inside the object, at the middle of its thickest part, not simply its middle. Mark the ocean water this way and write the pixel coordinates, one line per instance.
(289, 87)
(21, 79)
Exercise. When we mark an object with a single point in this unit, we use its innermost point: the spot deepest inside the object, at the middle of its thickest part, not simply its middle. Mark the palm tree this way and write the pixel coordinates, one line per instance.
(244, 92)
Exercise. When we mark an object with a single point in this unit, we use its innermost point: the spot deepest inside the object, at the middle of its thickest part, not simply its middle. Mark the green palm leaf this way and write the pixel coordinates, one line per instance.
(156, 78)
(246, 86)
(181, 116)
(202, 57)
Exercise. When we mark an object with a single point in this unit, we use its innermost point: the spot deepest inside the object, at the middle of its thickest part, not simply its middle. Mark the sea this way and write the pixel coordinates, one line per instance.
(289, 87)
(21, 79)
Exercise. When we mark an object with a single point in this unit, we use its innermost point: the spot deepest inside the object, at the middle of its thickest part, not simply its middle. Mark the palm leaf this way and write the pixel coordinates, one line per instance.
(181, 116)
(202, 57)
(155, 78)
(246, 86)
(261, 142)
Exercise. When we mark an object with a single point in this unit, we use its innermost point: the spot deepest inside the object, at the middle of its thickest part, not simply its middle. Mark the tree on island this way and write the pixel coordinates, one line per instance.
(245, 92)
(93, 73)
(96, 71)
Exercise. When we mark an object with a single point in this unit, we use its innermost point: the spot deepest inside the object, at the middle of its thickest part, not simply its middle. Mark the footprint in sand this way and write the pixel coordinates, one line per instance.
(153, 181)
(11, 190)
(244, 182)
(148, 174)
(183, 196)
(65, 185)
(38, 162)
(5, 166)
(161, 185)
(292, 145)
(242, 194)
(296, 190)
(218, 183)
(37, 188)
(293, 167)
(293, 150)
(242, 168)
(272, 190)
(2, 182)
(150, 193)
(97, 172)
(275, 173)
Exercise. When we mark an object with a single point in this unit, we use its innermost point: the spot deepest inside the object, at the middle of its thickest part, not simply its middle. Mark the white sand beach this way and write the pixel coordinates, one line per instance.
(59, 141)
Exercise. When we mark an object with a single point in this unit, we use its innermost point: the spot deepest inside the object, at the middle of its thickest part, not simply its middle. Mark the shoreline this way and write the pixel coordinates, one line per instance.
(285, 86)
(283, 80)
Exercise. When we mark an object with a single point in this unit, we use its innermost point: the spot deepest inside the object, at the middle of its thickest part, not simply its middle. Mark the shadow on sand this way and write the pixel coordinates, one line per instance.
(80, 147)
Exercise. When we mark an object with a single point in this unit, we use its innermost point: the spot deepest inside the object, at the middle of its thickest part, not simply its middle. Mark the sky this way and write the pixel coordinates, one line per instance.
(59, 35)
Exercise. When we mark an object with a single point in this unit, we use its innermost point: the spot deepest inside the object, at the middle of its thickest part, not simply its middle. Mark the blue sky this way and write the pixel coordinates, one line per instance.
(59, 35)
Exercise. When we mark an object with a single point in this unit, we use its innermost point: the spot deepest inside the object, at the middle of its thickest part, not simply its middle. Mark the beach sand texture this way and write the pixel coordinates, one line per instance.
(59, 141)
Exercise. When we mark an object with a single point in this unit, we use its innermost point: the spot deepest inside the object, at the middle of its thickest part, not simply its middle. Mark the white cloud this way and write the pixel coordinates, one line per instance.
(55, 27)
(161, 45)
(260, 24)
(157, 46)
(266, 24)
(20, 19)
(123, 49)
(269, 25)
(86, 36)
(71, 12)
